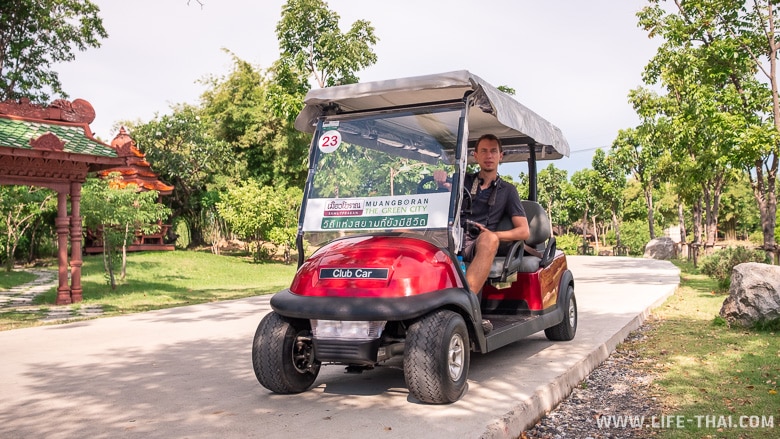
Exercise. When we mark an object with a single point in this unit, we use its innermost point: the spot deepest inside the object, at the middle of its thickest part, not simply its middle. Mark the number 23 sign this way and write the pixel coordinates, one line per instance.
(329, 141)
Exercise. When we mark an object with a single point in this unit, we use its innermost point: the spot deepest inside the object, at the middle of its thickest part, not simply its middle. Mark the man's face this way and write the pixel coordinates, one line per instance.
(488, 155)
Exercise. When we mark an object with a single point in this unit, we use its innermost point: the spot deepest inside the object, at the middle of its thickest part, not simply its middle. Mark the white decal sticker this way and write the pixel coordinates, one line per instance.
(330, 141)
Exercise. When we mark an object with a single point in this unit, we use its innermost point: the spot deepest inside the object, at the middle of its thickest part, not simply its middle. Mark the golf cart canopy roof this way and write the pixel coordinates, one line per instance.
(493, 111)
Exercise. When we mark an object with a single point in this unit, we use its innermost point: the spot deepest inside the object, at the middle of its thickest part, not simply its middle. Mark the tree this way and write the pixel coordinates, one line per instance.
(246, 112)
(36, 35)
(553, 192)
(20, 206)
(118, 212)
(704, 121)
(262, 214)
(638, 151)
(584, 201)
(738, 44)
(610, 182)
(310, 41)
(186, 154)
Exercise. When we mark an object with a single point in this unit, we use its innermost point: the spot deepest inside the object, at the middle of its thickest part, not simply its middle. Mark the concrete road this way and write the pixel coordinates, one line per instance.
(187, 373)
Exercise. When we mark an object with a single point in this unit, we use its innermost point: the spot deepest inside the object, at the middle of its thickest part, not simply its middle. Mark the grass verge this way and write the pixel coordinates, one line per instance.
(717, 381)
(157, 280)
(10, 279)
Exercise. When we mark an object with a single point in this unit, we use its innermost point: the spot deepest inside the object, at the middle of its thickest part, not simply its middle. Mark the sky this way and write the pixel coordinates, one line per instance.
(571, 61)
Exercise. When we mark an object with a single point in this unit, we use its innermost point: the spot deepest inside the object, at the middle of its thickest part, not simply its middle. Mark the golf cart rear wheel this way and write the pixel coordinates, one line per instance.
(436, 357)
(283, 355)
(565, 330)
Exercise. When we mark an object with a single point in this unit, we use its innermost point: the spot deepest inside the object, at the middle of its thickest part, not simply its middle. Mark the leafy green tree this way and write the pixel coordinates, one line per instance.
(584, 201)
(737, 45)
(638, 151)
(704, 121)
(38, 34)
(20, 206)
(554, 188)
(610, 182)
(262, 214)
(739, 211)
(310, 41)
(247, 113)
(186, 154)
(118, 213)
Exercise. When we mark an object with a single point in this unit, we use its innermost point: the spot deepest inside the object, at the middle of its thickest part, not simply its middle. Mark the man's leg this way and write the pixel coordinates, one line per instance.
(479, 268)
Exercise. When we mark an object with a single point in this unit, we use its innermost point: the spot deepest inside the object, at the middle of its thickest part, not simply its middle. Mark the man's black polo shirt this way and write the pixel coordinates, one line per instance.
(507, 202)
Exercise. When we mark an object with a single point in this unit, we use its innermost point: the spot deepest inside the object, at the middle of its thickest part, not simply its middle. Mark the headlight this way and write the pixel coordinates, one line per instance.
(347, 329)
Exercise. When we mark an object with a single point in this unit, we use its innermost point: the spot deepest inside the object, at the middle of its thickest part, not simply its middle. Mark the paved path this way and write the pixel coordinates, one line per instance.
(20, 298)
(187, 372)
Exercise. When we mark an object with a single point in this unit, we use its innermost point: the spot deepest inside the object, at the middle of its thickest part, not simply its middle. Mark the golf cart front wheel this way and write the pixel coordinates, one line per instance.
(436, 357)
(283, 355)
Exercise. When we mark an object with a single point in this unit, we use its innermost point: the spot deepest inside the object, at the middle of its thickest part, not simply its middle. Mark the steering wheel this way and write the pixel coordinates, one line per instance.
(421, 189)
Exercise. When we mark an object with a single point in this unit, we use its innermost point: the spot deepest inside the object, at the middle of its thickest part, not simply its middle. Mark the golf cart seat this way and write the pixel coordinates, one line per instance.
(509, 256)
(512, 257)
(541, 242)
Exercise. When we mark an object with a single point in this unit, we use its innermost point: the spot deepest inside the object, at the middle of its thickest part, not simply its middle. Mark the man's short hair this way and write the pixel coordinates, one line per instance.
(489, 137)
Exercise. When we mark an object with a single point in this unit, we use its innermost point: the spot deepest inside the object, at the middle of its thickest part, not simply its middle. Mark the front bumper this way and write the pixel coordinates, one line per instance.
(292, 305)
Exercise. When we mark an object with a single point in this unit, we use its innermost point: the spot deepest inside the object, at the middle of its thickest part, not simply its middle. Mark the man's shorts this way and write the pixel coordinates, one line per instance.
(469, 248)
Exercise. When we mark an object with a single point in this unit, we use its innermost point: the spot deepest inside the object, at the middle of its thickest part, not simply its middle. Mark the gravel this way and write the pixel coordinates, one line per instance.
(617, 387)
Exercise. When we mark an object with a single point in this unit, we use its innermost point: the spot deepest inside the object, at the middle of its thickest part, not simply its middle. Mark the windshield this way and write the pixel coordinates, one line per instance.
(375, 173)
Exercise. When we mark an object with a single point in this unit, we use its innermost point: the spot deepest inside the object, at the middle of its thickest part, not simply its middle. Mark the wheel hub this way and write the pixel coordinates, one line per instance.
(455, 357)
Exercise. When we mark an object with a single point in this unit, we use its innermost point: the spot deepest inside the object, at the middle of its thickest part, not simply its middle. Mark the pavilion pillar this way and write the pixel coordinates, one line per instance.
(75, 242)
(62, 223)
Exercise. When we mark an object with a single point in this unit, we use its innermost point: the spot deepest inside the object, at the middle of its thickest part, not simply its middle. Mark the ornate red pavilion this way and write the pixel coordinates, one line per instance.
(54, 147)
(137, 172)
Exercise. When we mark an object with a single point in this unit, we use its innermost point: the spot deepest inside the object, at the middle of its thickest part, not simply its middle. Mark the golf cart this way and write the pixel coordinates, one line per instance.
(385, 278)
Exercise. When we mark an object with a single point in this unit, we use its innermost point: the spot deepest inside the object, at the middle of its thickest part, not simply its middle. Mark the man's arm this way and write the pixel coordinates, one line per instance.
(520, 232)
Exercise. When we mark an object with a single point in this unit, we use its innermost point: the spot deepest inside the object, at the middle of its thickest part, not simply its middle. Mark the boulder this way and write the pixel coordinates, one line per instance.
(661, 248)
(754, 294)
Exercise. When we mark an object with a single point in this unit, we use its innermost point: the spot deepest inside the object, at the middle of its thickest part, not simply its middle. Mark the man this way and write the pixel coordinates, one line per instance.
(492, 199)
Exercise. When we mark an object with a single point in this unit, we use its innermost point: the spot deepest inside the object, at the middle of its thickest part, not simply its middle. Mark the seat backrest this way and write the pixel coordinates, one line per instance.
(504, 224)
(538, 223)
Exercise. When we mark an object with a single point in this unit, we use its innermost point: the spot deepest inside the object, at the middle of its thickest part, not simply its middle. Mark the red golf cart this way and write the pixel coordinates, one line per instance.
(383, 278)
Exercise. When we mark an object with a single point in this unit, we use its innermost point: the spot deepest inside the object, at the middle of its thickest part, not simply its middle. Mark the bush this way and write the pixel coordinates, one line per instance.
(635, 235)
(610, 237)
(720, 264)
(568, 243)
(757, 236)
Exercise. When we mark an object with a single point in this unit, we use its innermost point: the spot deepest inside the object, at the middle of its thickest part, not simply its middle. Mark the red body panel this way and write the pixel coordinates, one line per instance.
(539, 290)
(413, 267)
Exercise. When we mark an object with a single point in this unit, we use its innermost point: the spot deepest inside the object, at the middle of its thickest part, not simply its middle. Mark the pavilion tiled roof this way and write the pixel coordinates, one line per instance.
(51, 146)
(138, 171)
(18, 133)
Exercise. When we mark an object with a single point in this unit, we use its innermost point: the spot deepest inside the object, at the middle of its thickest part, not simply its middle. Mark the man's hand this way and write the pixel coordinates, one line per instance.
(440, 177)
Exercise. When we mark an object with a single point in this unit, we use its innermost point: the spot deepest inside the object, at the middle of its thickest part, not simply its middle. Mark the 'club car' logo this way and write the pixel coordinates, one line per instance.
(344, 208)
(353, 273)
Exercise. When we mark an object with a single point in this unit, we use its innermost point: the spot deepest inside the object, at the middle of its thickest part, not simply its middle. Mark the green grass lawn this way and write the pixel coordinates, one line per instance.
(10, 279)
(707, 372)
(158, 280)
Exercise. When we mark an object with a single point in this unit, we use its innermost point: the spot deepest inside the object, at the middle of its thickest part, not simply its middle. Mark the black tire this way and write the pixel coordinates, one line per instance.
(283, 355)
(565, 330)
(436, 357)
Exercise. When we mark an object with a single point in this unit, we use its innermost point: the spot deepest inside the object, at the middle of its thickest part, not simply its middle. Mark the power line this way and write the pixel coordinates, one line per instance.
(587, 149)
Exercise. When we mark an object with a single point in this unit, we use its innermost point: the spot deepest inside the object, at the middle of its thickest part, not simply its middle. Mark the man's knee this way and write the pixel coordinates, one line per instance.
(488, 242)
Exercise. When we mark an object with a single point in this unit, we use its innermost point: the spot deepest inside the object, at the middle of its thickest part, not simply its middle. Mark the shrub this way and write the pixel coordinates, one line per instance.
(720, 264)
(568, 243)
(635, 235)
